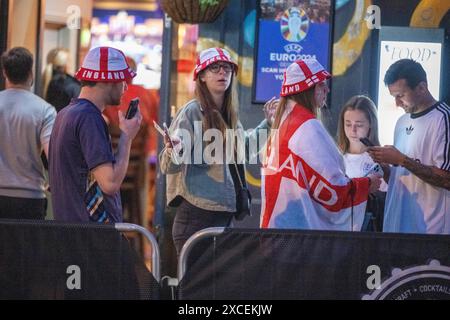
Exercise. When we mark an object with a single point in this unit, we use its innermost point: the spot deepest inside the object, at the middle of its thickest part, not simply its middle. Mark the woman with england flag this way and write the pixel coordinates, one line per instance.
(304, 185)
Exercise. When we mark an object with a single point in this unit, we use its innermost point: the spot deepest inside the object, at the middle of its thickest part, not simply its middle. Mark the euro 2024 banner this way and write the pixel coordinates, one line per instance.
(288, 31)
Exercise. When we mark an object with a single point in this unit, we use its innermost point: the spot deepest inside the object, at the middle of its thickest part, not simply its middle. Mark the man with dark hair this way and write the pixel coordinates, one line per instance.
(26, 122)
(418, 198)
(85, 175)
(17, 65)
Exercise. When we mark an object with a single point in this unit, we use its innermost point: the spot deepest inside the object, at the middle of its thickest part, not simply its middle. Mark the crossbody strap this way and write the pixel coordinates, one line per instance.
(238, 175)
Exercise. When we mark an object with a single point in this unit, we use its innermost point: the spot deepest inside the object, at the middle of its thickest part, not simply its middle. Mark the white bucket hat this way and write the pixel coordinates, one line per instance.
(211, 55)
(105, 64)
(302, 75)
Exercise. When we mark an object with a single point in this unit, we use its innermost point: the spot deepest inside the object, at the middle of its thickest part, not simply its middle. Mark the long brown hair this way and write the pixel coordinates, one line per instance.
(218, 117)
(367, 106)
(305, 98)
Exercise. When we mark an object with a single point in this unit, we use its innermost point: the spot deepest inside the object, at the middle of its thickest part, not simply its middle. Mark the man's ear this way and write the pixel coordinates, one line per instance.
(31, 78)
(105, 85)
(423, 87)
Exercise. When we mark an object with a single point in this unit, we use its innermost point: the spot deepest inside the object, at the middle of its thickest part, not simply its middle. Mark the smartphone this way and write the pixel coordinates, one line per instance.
(366, 142)
(132, 108)
(158, 128)
(166, 132)
(375, 169)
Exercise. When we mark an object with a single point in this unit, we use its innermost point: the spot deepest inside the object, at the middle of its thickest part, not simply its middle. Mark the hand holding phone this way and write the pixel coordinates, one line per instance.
(158, 128)
(366, 142)
(376, 170)
(132, 108)
(167, 135)
(164, 132)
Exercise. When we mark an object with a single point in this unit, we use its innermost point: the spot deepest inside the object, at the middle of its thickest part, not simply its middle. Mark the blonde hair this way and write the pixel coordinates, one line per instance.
(57, 60)
(365, 105)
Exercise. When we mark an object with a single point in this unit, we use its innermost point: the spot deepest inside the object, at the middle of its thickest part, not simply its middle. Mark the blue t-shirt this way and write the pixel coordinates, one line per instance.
(79, 142)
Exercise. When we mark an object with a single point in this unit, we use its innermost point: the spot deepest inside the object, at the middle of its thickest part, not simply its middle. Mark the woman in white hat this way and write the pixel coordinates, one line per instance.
(204, 191)
(304, 184)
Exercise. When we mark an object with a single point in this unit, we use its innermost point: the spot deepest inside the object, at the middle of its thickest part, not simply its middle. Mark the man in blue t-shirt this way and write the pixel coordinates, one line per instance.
(85, 175)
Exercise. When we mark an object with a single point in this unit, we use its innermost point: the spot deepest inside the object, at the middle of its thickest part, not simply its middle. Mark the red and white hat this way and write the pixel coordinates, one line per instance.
(211, 55)
(105, 64)
(302, 75)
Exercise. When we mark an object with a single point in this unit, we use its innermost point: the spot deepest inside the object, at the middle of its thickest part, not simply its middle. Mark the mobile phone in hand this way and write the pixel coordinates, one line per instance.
(164, 132)
(167, 134)
(132, 108)
(366, 142)
(376, 170)
(158, 128)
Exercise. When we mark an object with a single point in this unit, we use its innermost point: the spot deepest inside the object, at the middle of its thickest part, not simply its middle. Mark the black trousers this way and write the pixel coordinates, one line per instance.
(22, 208)
(189, 219)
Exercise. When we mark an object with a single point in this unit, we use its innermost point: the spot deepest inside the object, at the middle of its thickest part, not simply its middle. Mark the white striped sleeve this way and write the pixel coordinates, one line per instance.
(443, 147)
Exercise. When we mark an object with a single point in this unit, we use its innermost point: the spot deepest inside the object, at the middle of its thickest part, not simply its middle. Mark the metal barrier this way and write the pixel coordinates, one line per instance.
(128, 227)
(267, 264)
(187, 247)
(60, 260)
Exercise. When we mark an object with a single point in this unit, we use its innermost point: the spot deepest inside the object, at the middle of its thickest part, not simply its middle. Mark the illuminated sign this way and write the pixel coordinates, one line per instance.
(411, 44)
(288, 31)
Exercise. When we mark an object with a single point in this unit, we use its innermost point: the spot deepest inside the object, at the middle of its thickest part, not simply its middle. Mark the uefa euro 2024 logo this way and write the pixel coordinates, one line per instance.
(294, 24)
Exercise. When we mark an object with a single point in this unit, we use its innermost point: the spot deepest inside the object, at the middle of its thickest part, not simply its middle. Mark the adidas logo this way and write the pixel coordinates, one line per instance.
(409, 130)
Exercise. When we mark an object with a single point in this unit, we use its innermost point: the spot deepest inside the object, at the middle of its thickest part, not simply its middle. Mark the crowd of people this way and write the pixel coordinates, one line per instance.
(309, 181)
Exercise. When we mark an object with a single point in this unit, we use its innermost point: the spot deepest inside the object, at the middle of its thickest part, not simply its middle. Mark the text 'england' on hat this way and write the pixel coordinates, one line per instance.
(105, 64)
(210, 56)
(302, 75)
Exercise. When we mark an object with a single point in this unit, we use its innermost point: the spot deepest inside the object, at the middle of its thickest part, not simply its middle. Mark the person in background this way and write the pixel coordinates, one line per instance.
(26, 122)
(205, 193)
(59, 87)
(418, 197)
(358, 119)
(304, 185)
(148, 106)
(85, 175)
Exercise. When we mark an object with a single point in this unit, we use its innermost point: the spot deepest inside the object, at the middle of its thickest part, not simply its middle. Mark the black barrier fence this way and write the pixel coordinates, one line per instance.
(50, 260)
(293, 264)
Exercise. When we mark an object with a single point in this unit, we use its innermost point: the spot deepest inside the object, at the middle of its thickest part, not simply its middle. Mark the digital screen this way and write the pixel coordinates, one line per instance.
(288, 31)
(138, 34)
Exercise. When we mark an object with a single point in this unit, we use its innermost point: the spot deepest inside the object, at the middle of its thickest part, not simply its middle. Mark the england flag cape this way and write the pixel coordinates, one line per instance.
(303, 181)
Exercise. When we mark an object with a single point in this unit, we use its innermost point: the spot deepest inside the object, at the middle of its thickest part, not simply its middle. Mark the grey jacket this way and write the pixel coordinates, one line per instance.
(206, 185)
